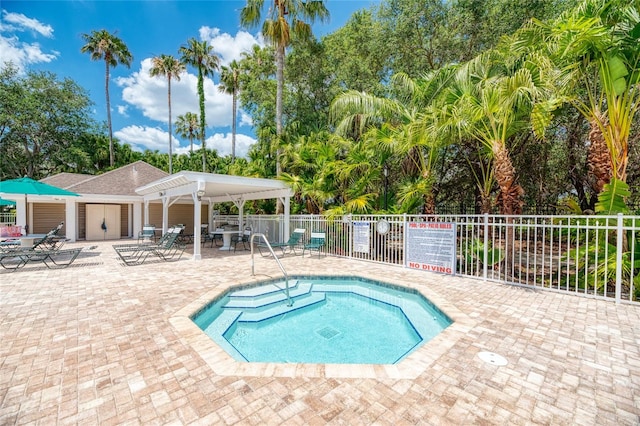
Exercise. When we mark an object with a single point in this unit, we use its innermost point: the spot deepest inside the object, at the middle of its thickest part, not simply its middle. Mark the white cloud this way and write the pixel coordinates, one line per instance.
(149, 95)
(154, 138)
(122, 110)
(19, 52)
(19, 22)
(222, 143)
(245, 119)
(228, 46)
(142, 137)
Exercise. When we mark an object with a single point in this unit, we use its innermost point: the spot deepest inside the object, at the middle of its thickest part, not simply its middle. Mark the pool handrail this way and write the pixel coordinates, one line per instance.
(286, 276)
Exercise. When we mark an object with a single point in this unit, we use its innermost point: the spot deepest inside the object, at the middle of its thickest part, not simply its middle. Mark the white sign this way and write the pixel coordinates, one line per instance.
(431, 246)
(361, 237)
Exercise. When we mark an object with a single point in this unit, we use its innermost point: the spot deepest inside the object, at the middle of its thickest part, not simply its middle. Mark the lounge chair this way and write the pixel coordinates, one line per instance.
(294, 241)
(147, 234)
(317, 242)
(167, 248)
(16, 259)
(49, 242)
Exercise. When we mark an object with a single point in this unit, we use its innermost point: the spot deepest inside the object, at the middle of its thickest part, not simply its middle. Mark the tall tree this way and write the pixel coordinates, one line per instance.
(102, 45)
(230, 84)
(284, 19)
(199, 54)
(187, 126)
(41, 119)
(170, 67)
(597, 46)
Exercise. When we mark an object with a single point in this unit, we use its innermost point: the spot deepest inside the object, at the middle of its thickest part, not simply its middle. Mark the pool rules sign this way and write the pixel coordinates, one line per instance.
(431, 246)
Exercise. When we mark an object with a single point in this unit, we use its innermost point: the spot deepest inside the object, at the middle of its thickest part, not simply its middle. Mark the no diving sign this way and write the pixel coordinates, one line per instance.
(431, 246)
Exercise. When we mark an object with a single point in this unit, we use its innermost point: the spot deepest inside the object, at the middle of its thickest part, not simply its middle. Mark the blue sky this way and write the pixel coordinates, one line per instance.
(47, 35)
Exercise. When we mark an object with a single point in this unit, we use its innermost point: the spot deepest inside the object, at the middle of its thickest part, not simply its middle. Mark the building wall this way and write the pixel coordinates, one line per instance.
(47, 216)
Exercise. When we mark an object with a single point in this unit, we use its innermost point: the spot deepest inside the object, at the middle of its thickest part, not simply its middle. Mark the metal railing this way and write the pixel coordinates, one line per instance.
(592, 256)
(8, 218)
(286, 277)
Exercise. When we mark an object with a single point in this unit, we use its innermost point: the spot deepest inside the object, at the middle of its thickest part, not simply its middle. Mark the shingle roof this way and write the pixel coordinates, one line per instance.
(121, 181)
(66, 180)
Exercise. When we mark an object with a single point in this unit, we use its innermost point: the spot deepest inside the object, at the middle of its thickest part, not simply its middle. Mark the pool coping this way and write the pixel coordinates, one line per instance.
(410, 367)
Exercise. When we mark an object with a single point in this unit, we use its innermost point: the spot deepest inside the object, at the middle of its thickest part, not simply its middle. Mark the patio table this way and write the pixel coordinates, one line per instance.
(226, 238)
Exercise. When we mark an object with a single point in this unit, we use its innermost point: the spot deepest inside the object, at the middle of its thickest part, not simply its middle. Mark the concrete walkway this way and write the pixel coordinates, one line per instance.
(103, 343)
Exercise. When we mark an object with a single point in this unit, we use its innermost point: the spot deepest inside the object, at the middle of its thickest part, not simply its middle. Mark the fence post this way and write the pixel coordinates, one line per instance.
(485, 254)
(404, 239)
(619, 259)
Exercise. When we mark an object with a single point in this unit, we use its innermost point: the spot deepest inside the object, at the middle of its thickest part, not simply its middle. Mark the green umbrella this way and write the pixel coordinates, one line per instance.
(7, 202)
(26, 185)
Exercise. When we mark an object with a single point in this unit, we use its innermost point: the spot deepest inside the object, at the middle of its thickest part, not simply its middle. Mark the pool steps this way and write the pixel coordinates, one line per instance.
(261, 303)
(268, 297)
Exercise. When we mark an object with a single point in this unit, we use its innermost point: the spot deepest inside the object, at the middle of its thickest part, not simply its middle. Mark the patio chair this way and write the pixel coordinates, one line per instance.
(147, 234)
(16, 259)
(244, 238)
(317, 242)
(49, 242)
(216, 238)
(168, 248)
(294, 241)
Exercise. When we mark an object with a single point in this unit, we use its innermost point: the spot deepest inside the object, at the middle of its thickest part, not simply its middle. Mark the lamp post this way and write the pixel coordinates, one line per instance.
(385, 172)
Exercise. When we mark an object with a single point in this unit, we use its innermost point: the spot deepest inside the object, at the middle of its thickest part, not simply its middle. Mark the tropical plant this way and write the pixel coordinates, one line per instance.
(200, 55)
(285, 18)
(169, 67)
(102, 45)
(187, 127)
(230, 84)
(597, 47)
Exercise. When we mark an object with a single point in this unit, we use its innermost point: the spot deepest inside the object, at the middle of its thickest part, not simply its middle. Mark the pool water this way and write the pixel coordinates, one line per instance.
(332, 320)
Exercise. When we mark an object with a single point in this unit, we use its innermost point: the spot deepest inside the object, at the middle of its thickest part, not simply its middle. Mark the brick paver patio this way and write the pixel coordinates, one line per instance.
(102, 343)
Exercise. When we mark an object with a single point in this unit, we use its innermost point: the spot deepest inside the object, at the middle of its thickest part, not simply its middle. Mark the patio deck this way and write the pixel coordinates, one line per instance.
(103, 343)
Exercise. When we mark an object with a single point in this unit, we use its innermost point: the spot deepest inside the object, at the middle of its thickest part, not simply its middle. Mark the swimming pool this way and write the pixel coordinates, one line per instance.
(332, 320)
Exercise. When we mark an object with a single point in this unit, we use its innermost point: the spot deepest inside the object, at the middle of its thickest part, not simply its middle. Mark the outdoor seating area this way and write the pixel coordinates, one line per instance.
(167, 248)
(316, 243)
(295, 242)
(46, 249)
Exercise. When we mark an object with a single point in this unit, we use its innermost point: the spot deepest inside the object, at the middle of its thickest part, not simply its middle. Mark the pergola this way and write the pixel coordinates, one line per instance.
(212, 188)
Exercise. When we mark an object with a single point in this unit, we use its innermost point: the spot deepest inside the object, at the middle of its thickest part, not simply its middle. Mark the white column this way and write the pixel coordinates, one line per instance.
(137, 216)
(165, 214)
(287, 217)
(70, 219)
(146, 212)
(197, 218)
(21, 211)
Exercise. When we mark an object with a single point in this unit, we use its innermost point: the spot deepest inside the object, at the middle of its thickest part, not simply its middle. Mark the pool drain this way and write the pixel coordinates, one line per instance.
(328, 332)
(492, 358)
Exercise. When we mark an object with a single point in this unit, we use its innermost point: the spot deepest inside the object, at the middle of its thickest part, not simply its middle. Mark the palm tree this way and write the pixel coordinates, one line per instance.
(230, 84)
(170, 67)
(187, 127)
(284, 18)
(596, 47)
(103, 45)
(200, 54)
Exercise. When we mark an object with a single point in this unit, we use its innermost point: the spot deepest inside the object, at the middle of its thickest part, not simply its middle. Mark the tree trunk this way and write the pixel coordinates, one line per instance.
(233, 127)
(202, 119)
(598, 158)
(279, 95)
(106, 89)
(510, 197)
(170, 142)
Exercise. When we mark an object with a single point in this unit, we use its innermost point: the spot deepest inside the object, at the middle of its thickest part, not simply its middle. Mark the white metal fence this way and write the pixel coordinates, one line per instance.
(8, 218)
(593, 256)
